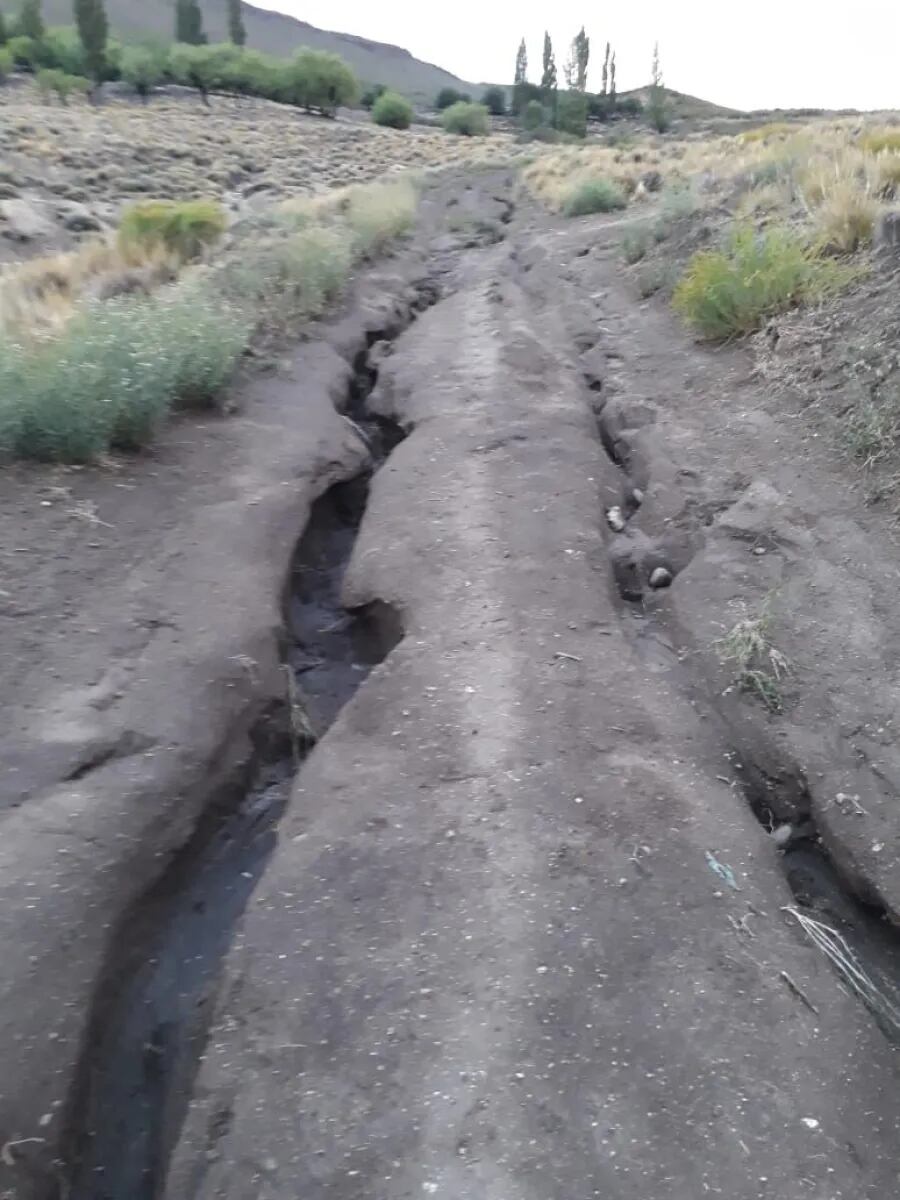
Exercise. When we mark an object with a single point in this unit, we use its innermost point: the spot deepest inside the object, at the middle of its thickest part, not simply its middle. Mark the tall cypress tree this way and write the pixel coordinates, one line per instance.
(606, 70)
(30, 22)
(4, 34)
(189, 23)
(236, 29)
(93, 30)
(521, 63)
(581, 53)
(548, 77)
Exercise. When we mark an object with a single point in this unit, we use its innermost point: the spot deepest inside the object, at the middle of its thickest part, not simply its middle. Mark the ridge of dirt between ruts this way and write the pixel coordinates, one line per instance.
(136, 697)
(489, 956)
(771, 518)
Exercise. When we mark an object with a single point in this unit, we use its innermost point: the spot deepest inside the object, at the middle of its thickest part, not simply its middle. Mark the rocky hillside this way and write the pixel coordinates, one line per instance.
(275, 33)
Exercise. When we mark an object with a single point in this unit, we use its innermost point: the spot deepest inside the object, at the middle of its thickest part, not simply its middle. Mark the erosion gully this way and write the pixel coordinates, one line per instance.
(867, 941)
(152, 1009)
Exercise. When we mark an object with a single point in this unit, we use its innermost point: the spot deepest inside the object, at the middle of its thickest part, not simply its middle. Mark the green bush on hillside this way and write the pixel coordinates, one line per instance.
(25, 51)
(593, 196)
(448, 96)
(53, 81)
(571, 114)
(392, 110)
(319, 82)
(371, 94)
(6, 63)
(143, 68)
(494, 100)
(61, 47)
(183, 228)
(470, 120)
(533, 115)
(732, 291)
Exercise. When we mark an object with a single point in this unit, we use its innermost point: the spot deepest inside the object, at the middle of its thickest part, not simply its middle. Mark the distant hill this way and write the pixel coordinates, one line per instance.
(275, 33)
(683, 105)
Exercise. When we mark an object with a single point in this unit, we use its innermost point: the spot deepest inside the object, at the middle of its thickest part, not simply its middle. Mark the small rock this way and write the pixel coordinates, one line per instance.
(614, 519)
(77, 218)
(24, 221)
(661, 577)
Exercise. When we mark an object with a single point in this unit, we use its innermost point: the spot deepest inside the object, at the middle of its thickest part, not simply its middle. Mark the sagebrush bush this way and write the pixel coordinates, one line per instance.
(636, 244)
(724, 293)
(392, 110)
(379, 213)
(184, 228)
(283, 279)
(111, 377)
(470, 120)
(593, 196)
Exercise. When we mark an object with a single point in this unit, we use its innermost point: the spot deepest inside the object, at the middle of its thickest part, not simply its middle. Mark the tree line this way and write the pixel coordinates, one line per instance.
(65, 57)
(546, 107)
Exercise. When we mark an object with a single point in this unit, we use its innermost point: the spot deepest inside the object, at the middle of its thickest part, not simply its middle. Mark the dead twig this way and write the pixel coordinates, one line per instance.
(798, 992)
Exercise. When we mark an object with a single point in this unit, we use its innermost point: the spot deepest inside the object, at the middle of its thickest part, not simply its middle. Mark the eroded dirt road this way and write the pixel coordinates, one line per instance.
(522, 936)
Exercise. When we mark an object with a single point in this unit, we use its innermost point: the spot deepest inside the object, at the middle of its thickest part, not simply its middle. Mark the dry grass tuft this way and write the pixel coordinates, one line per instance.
(38, 297)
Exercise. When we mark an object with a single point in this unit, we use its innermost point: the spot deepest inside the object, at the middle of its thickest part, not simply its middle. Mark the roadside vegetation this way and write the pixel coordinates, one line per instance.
(469, 120)
(787, 211)
(97, 348)
(757, 665)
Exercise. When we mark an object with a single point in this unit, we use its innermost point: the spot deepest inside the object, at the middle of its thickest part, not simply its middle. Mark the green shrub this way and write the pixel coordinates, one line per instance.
(371, 94)
(734, 290)
(110, 379)
(571, 114)
(61, 47)
(6, 63)
(392, 110)
(533, 115)
(593, 196)
(449, 96)
(24, 51)
(470, 120)
(52, 80)
(191, 66)
(143, 68)
(184, 228)
(494, 100)
(283, 279)
(318, 82)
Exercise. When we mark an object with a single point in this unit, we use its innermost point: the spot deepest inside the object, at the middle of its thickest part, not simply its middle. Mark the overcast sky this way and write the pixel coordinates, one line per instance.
(757, 54)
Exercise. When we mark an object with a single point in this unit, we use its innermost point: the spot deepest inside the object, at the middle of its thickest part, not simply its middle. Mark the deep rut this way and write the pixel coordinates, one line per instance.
(152, 1007)
(852, 928)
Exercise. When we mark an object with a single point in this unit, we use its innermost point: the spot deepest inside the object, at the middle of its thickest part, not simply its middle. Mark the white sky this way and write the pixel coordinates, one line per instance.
(755, 54)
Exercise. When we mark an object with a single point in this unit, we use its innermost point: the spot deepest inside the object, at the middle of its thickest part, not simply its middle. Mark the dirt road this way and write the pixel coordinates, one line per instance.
(523, 933)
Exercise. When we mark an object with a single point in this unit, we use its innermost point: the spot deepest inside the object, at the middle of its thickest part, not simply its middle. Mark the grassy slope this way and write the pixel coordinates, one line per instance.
(374, 62)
